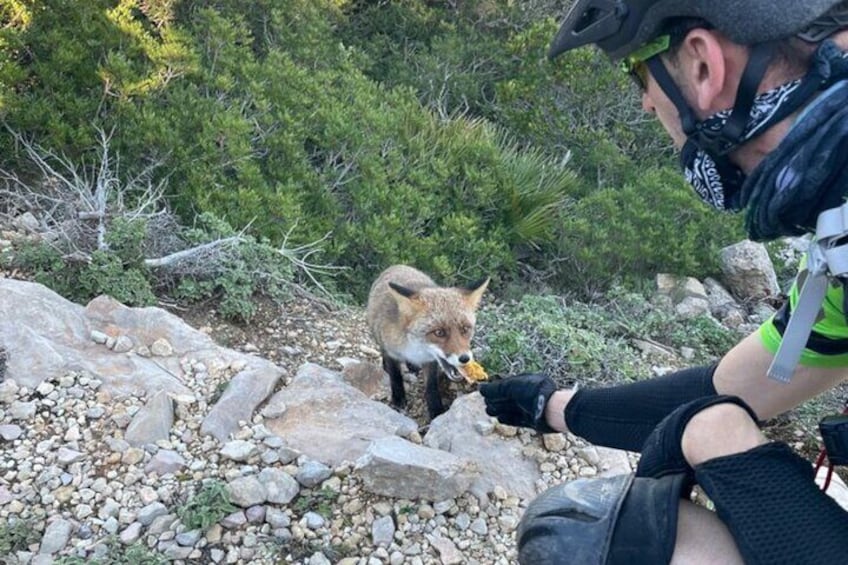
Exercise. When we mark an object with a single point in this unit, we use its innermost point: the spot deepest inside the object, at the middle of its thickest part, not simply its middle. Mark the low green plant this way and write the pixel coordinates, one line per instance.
(17, 535)
(233, 275)
(209, 505)
(320, 501)
(631, 315)
(545, 334)
(118, 270)
(577, 341)
(46, 265)
(118, 554)
(108, 274)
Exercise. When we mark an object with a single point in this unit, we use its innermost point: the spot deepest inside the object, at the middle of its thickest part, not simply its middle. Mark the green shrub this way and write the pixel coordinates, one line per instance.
(451, 56)
(118, 271)
(46, 265)
(236, 275)
(107, 274)
(654, 225)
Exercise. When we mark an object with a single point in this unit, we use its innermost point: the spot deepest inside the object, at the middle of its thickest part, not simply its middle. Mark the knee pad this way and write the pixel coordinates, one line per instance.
(662, 453)
(608, 521)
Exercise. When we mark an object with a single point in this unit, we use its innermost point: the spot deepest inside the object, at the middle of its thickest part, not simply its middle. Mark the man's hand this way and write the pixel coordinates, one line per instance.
(520, 400)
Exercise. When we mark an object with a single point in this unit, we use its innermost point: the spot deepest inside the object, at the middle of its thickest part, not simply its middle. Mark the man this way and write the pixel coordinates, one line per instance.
(754, 92)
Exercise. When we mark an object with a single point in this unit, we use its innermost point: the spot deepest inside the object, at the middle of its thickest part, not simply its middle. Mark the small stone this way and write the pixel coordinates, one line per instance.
(122, 344)
(383, 531)
(98, 337)
(162, 348)
(189, 538)
(10, 432)
(239, 450)
(131, 533)
(554, 442)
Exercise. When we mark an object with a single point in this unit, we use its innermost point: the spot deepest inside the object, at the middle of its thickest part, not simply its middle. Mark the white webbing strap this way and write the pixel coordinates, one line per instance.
(826, 258)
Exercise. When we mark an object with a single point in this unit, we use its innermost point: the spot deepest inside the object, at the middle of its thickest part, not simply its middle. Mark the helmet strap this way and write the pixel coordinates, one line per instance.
(672, 91)
(732, 134)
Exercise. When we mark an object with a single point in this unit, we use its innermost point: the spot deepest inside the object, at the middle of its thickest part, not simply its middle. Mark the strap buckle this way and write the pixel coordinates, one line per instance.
(827, 257)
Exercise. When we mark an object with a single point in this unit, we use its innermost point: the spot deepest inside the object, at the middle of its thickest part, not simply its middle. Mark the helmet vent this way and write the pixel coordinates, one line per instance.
(587, 19)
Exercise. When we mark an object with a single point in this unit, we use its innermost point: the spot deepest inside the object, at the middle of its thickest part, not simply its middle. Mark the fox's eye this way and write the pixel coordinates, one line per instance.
(440, 332)
(465, 330)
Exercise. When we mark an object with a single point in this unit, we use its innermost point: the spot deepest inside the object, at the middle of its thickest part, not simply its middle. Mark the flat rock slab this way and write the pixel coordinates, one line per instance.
(46, 336)
(395, 467)
(327, 419)
(498, 458)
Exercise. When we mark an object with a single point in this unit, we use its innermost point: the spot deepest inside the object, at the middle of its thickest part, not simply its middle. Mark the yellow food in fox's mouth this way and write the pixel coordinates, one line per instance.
(474, 372)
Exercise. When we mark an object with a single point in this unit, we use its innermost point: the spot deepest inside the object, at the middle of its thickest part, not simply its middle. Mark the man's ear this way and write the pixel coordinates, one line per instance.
(707, 59)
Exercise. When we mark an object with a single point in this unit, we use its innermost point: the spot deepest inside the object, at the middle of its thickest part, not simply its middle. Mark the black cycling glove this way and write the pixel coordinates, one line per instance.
(520, 400)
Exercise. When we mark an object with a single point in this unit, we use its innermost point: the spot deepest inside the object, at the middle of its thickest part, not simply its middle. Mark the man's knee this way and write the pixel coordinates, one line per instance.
(721, 429)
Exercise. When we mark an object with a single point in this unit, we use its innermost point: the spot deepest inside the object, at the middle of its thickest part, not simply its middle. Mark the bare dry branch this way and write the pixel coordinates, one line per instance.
(191, 253)
(76, 203)
(299, 257)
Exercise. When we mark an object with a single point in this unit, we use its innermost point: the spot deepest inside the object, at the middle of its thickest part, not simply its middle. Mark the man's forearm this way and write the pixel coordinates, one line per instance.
(623, 416)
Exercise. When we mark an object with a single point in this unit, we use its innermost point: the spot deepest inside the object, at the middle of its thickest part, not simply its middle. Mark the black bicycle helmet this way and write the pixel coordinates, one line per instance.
(619, 27)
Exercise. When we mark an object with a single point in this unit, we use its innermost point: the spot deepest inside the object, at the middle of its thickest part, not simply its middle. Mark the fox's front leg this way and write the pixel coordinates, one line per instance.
(434, 398)
(393, 369)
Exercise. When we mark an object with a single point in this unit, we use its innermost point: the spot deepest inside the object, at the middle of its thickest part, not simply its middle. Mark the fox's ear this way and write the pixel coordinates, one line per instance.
(402, 290)
(407, 300)
(475, 292)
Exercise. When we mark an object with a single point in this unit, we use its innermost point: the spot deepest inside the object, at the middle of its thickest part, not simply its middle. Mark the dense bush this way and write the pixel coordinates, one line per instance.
(119, 272)
(655, 224)
(421, 132)
(234, 274)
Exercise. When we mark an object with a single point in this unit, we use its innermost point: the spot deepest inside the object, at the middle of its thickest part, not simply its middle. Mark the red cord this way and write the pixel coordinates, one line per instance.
(820, 461)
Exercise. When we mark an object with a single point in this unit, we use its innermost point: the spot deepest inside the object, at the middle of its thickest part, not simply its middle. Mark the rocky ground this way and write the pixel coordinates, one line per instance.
(72, 490)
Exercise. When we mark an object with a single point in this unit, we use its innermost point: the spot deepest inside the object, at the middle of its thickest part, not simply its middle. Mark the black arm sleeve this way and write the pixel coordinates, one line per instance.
(623, 416)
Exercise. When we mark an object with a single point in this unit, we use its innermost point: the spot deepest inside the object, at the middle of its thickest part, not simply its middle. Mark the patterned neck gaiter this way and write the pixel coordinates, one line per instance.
(715, 179)
(719, 182)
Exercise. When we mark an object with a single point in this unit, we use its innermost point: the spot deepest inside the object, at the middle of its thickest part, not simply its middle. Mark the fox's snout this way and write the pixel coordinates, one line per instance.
(450, 364)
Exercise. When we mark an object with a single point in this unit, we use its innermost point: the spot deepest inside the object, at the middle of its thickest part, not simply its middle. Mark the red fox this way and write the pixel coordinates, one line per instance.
(417, 322)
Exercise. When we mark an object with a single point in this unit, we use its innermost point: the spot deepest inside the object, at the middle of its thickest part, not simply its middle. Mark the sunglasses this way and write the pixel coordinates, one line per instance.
(635, 64)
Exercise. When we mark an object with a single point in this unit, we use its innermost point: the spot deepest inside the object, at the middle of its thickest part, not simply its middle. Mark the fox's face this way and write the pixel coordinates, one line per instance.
(439, 324)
